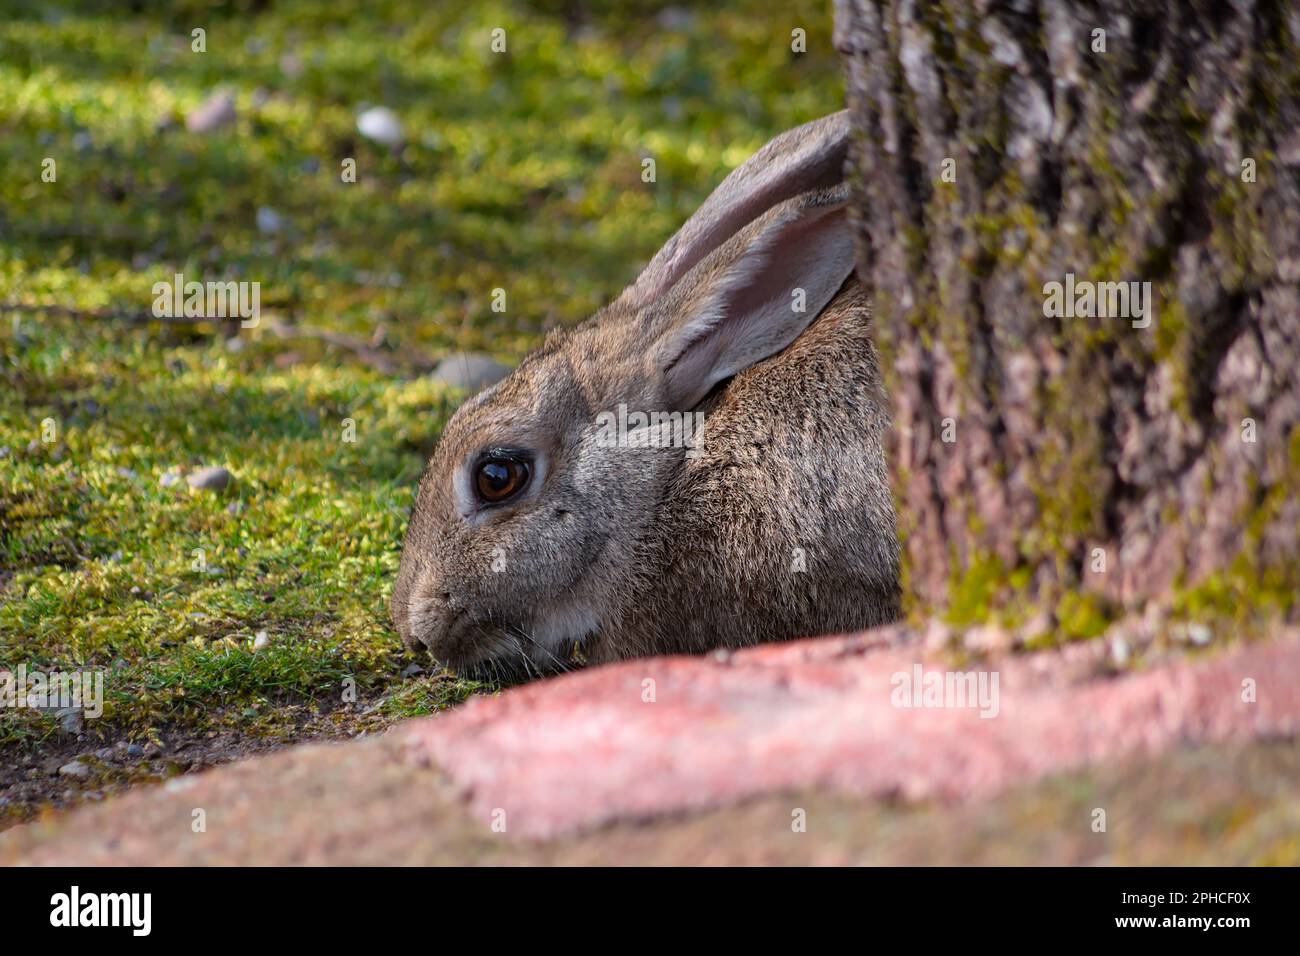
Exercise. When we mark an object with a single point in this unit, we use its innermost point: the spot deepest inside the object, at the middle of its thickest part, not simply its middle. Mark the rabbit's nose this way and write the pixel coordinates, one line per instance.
(432, 615)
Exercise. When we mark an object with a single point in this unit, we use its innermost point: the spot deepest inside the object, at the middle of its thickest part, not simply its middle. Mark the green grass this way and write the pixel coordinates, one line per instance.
(521, 171)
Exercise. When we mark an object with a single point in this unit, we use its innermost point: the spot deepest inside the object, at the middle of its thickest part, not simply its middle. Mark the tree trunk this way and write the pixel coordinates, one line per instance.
(1053, 466)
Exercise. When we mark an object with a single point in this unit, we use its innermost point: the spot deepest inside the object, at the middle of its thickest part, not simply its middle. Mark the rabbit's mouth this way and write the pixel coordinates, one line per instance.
(550, 642)
(488, 649)
(510, 655)
(518, 641)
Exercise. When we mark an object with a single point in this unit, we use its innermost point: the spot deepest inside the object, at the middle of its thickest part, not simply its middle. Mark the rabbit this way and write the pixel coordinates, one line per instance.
(534, 534)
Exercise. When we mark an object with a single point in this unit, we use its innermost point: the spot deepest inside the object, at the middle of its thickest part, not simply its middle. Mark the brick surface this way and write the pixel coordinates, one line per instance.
(592, 747)
(806, 725)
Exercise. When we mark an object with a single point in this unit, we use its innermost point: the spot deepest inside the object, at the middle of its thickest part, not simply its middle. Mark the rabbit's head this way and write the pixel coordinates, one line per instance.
(539, 512)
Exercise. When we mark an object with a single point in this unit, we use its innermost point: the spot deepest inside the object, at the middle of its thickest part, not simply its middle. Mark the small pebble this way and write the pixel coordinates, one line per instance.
(74, 769)
(1119, 651)
(675, 18)
(380, 124)
(217, 110)
(1288, 151)
(291, 65)
(261, 640)
(988, 638)
(937, 635)
(209, 479)
(470, 370)
(269, 222)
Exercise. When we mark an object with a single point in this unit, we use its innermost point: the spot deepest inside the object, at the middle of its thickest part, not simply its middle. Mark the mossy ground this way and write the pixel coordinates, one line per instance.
(521, 171)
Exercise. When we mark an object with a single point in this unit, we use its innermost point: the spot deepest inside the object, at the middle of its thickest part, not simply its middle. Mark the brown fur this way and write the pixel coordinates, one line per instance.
(792, 460)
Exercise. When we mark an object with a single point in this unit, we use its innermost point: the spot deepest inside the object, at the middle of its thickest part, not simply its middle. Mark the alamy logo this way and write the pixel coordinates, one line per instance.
(103, 909)
(624, 429)
(216, 300)
(946, 689)
(57, 690)
(1085, 299)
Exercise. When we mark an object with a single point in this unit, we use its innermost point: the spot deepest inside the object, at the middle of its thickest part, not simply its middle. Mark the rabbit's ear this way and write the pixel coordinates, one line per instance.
(753, 296)
(799, 160)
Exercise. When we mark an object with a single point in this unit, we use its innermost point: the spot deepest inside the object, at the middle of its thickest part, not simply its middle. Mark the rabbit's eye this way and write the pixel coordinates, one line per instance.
(500, 478)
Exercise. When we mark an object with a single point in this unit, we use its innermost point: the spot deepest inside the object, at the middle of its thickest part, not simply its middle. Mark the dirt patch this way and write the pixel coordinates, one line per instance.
(69, 770)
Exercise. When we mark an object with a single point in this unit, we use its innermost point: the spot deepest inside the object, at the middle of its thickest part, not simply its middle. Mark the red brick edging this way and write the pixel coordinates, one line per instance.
(587, 748)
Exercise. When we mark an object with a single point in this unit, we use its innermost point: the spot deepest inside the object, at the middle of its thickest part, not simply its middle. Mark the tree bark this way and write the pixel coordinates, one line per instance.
(1070, 469)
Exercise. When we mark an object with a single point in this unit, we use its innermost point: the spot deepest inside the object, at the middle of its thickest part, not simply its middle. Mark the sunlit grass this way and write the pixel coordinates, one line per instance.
(521, 171)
